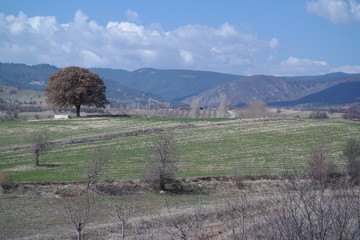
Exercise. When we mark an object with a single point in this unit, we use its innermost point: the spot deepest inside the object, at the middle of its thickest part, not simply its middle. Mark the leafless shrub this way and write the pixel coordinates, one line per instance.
(183, 226)
(256, 109)
(352, 113)
(39, 144)
(99, 160)
(11, 110)
(319, 167)
(149, 229)
(351, 154)
(195, 108)
(312, 211)
(234, 216)
(79, 211)
(318, 115)
(238, 178)
(162, 165)
(223, 106)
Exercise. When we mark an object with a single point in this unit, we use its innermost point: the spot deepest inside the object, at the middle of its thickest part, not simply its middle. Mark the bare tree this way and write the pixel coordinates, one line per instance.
(223, 106)
(183, 226)
(351, 153)
(238, 178)
(195, 108)
(255, 109)
(122, 213)
(234, 215)
(306, 210)
(99, 160)
(319, 167)
(79, 210)
(318, 115)
(39, 144)
(162, 165)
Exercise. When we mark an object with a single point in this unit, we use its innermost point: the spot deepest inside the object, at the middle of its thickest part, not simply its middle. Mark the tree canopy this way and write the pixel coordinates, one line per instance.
(75, 86)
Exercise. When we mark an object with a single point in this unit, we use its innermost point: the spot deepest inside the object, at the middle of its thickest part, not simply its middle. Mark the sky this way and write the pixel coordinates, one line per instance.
(247, 37)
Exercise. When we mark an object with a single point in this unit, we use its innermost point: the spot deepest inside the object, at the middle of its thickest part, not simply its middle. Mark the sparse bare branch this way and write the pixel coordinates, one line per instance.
(79, 210)
(39, 144)
(99, 160)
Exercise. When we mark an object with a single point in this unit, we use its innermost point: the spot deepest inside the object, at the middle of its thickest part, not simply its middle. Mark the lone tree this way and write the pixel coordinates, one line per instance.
(39, 144)
(75, 86)
(162, 164)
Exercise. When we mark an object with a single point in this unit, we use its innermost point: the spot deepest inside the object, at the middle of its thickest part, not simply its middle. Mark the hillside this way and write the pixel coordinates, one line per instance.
(22, 95)
(36, 78)
(343, 93)
(173, 85)
(133, 87)
(273, 89)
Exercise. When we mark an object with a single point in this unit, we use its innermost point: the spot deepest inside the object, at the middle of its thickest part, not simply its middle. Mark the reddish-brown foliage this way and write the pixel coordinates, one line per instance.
(75, 86)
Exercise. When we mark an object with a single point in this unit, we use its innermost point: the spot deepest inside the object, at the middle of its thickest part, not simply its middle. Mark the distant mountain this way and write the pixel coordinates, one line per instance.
(174, 85)
(184, 85)
(25, 76)
(36, 78)
(271, 89)
(343, 93)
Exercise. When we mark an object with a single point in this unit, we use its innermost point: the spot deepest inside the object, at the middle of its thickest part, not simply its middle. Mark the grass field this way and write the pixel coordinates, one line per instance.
(207, 148)
(214, 148)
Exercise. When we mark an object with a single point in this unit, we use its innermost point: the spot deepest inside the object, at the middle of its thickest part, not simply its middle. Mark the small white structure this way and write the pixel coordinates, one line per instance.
(61, 116)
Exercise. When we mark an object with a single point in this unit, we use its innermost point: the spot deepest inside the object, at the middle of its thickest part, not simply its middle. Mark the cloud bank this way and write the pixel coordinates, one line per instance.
(129, 45)
(337, 11)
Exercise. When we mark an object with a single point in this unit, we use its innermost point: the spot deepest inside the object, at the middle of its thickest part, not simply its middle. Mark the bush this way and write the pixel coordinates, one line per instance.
(238, 178)
(318, 115)
(351, 153)
(353, 113)
(319, 167)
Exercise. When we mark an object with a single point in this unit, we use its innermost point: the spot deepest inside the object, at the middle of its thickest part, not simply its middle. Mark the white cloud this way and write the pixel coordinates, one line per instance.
(347, 69)
(187, 57)
(132, 16)
(274, 43)
(337, 11)
(301, 66)
(127, 45)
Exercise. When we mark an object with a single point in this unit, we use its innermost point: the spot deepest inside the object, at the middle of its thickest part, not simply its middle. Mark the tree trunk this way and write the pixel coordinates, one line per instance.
(37, 154)
(79, 235)
(162, 181)
(122, 230)
(78, 111)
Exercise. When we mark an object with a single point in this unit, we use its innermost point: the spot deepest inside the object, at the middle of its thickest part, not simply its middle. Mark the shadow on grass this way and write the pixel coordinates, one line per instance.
(53, 165)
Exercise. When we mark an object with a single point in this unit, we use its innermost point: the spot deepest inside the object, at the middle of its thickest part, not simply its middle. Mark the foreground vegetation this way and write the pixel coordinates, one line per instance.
(206, 148)
(203, 207)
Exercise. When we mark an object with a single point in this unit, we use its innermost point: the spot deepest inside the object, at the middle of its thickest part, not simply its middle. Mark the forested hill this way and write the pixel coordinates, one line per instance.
(184, 85)
(284, 91)
(36, 78)
(174, 85)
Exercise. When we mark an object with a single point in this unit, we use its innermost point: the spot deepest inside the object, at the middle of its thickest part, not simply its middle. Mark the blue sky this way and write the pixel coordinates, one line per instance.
(277, 37)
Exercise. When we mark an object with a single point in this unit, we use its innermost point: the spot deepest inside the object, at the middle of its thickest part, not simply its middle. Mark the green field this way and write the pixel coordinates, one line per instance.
(214, 148)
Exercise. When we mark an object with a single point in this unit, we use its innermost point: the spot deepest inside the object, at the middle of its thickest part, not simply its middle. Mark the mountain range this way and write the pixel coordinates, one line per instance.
(284, 91)
(185, 85)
